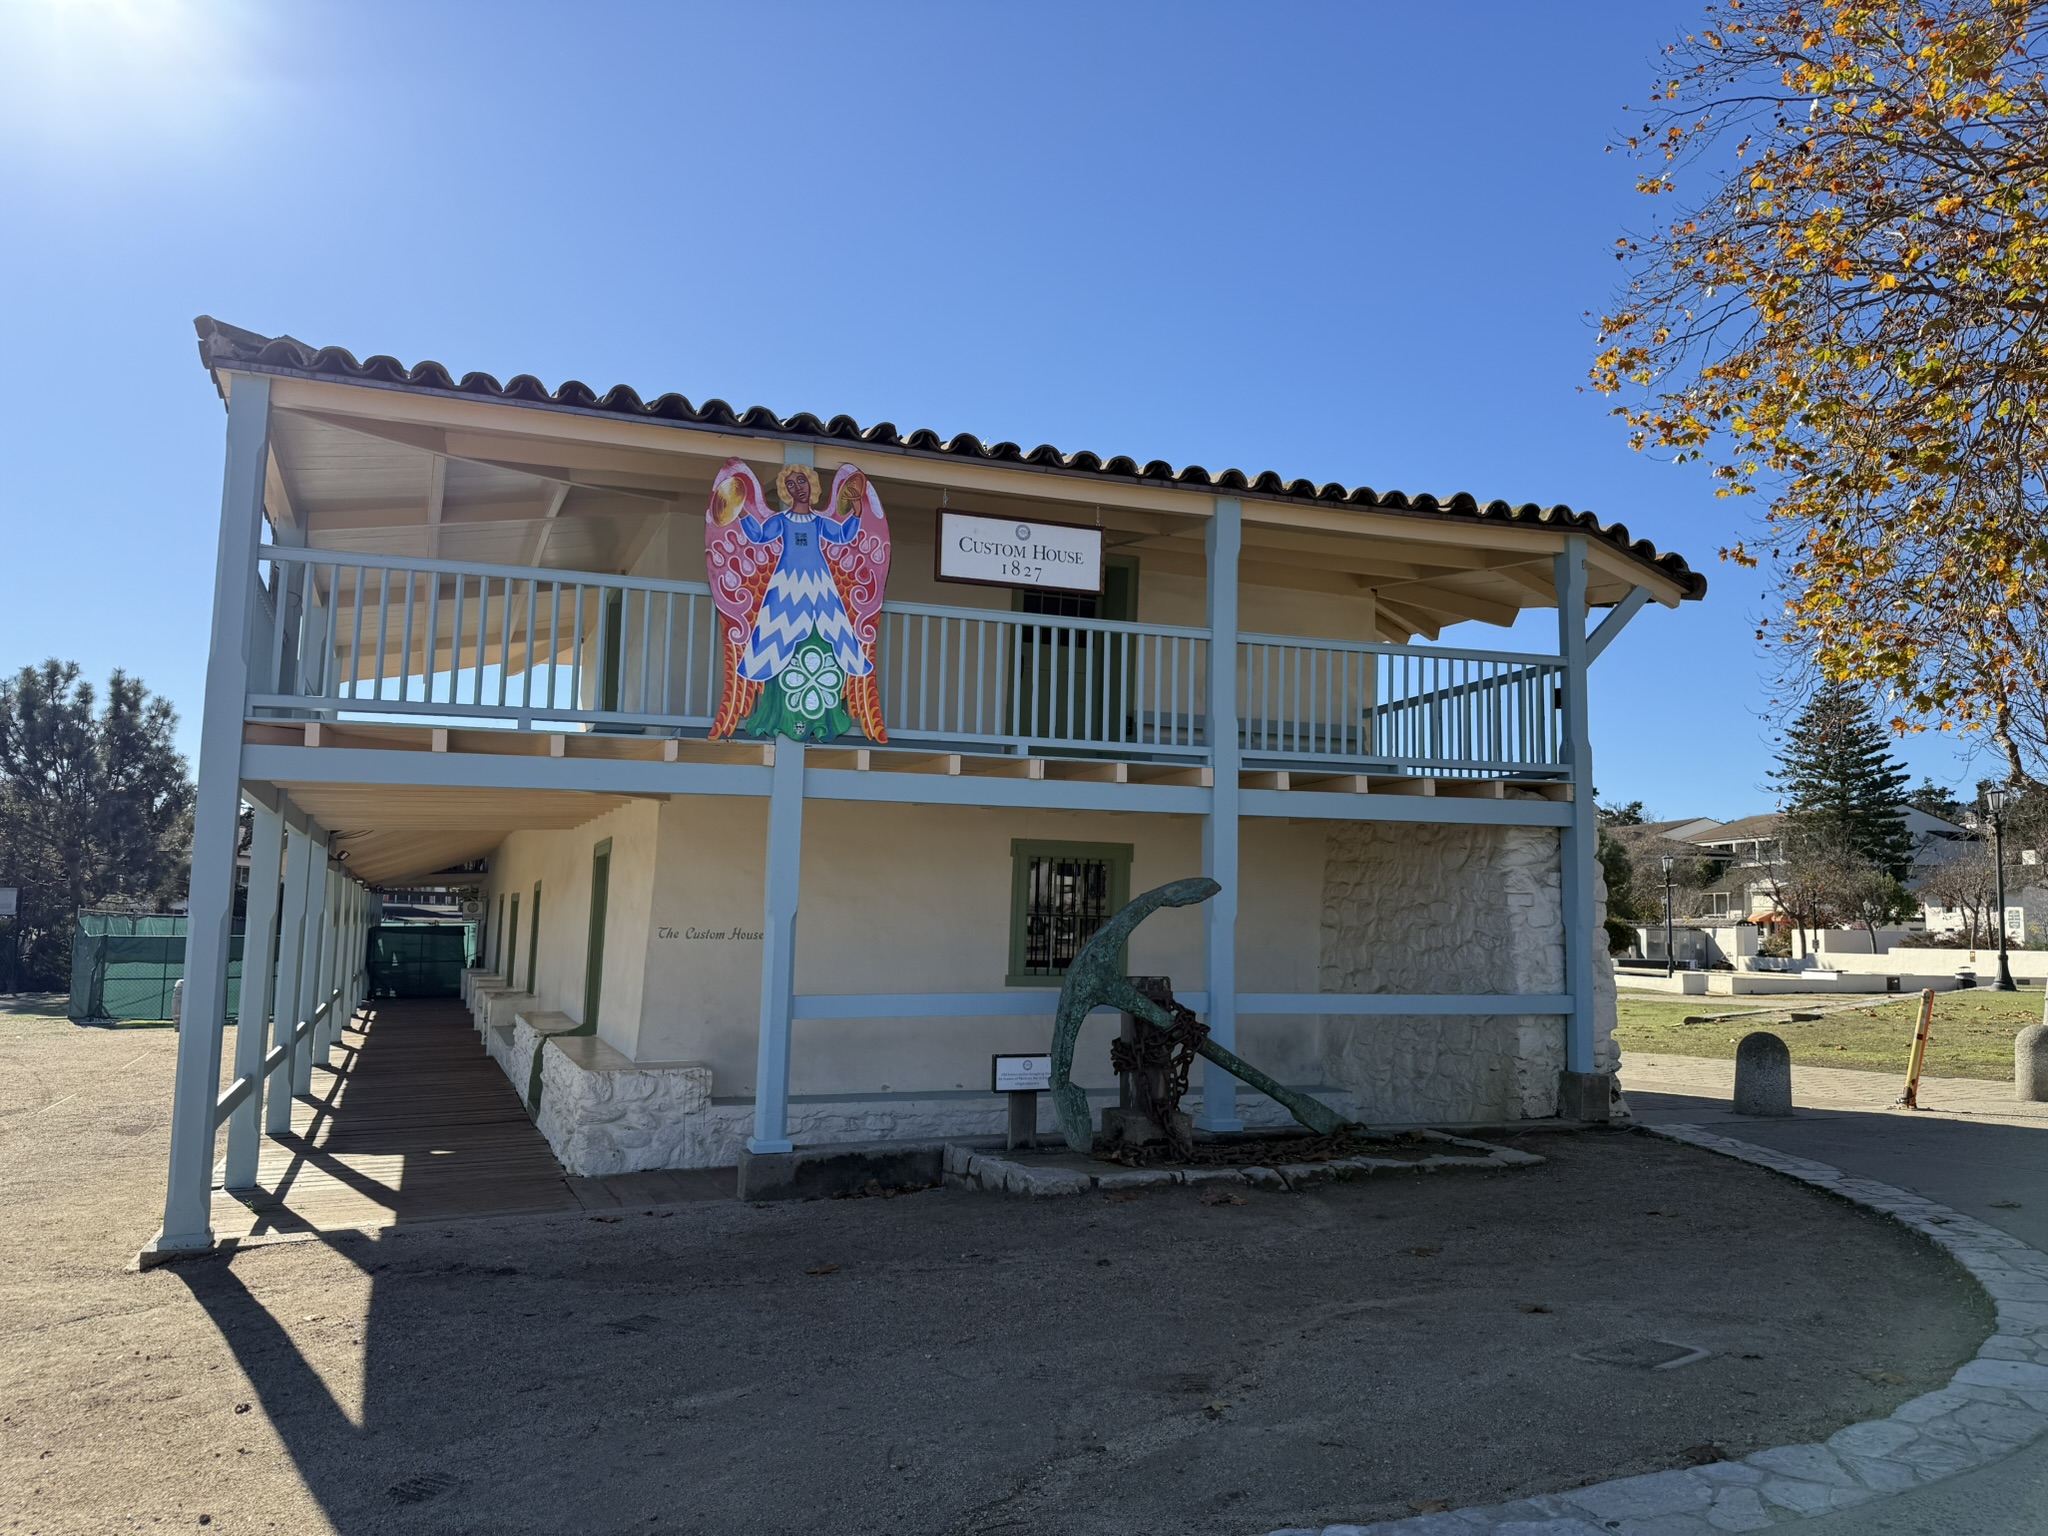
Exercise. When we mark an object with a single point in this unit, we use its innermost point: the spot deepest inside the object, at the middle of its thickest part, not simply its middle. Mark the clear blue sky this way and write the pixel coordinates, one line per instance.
(1352, 242)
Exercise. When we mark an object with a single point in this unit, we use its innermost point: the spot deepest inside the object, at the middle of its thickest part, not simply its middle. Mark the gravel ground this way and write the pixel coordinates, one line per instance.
(937, 1363)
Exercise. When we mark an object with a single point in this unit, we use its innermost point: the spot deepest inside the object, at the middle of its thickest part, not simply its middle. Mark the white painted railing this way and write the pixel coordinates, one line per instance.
(388, 636)
(1029, 680)
(1406, 708)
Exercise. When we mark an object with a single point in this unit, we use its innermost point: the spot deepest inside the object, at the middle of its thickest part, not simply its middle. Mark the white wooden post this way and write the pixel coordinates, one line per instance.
(291, 960)
(252, 1017)
(778, 947)
(362, 945)
(188, 1195)
(310, 965)
(344, 963)
(1577, 849)
(358, 943)
(1220, 826)
(352, 954)
(330, 962)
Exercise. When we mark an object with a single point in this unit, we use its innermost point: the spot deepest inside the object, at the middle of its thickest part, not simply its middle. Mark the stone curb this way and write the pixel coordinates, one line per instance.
(1995, 1404)
(969, 1168)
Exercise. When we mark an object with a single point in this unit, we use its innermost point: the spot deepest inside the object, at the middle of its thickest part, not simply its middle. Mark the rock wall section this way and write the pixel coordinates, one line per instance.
(1449, 909)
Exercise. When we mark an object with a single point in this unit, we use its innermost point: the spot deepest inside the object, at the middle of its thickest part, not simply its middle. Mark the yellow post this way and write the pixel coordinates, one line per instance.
(1919, 1057)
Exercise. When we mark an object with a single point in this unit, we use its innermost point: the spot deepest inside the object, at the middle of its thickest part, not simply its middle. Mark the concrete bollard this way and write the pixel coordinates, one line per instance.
(2030, 1064)
(1763, 1075)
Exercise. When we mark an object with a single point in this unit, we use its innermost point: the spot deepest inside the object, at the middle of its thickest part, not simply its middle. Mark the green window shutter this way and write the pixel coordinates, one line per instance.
(1060, 894)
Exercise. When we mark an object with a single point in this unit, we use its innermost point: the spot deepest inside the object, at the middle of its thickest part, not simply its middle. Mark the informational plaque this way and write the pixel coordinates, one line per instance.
(10, 898)
(1022, 1074)
(1011, 552)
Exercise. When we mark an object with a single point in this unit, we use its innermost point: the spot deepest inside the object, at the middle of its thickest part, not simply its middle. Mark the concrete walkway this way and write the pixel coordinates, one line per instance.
(1973, 1148)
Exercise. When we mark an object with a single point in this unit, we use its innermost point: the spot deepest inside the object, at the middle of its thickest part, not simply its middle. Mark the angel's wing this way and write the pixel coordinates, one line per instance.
(739, 571)
(860, 569)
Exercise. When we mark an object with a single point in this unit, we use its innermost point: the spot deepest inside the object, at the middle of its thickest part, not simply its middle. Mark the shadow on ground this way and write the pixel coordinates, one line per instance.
(936, 1363)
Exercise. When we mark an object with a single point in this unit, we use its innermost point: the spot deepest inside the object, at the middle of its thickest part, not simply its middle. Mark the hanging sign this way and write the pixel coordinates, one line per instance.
(1013, 552)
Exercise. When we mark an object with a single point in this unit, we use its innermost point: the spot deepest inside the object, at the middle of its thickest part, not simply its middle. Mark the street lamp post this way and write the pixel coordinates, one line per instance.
(1670, 960)
(1994, 801)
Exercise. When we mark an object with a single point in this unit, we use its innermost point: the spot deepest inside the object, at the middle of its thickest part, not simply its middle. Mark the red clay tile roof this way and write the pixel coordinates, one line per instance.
(229, 347)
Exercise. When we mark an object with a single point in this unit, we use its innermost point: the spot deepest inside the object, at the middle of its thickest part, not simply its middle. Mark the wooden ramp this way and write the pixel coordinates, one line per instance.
(413, 1122)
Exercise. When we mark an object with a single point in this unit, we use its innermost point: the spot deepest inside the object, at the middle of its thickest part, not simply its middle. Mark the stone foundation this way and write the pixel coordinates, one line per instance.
(1449, 909)
(499, 1005)
(605, 1114)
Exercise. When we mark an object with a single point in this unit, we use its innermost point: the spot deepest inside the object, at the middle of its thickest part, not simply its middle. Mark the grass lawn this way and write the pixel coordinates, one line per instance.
(1972, 1034)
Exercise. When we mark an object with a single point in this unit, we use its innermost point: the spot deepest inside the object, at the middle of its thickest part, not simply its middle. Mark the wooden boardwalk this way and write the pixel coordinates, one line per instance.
(415, 1123)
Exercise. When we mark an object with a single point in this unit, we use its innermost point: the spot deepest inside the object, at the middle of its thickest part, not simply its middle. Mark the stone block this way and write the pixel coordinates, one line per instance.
(2030, 1064)
(604, 1113)
(1430, 908)
(1763, 1075)
(817, 1173)
(1587, 1096)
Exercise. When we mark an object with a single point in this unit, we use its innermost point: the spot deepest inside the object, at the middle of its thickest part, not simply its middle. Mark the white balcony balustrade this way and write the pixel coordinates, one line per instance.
(384, 637)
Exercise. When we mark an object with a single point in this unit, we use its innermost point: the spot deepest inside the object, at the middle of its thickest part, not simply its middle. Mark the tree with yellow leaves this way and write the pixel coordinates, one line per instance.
(1844, 311)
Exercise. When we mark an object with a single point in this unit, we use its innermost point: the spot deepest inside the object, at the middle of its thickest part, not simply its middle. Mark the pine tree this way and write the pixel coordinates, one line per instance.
(1837, 779)
(95, 805)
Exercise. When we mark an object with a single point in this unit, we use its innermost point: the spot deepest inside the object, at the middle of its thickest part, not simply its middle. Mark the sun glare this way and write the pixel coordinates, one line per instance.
(87, 75)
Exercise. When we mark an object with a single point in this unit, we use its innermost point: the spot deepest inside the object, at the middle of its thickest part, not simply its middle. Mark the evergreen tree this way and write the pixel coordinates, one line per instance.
(1837, 779)
(95, 806)
(1936, 800)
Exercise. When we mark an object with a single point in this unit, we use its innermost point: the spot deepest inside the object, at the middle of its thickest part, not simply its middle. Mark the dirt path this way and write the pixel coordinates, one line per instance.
(938, 1363)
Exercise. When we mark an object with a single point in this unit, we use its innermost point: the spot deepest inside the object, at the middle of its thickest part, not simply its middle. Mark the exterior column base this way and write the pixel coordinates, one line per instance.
(1587, 1096)
(819, 1173)
(163, 1248)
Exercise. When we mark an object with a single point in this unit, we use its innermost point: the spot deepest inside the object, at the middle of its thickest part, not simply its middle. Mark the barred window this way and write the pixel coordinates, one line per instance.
(1061, 895)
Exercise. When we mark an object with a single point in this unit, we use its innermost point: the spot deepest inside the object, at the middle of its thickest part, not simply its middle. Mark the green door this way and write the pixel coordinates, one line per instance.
(1074, 679)
(593, 960)
(533, 938)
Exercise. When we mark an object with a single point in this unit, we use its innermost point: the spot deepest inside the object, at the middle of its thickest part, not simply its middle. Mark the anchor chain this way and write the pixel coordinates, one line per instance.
(1172, 1051)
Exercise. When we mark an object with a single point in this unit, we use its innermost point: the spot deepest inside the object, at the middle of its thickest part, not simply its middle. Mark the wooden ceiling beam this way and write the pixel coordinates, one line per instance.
(1458, 604)
(602, 473)
(1416, 620)
(437, 492)
(539, 546)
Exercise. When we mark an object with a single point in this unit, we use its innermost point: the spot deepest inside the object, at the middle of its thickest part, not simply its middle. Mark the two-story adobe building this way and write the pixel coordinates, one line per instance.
(803, 756)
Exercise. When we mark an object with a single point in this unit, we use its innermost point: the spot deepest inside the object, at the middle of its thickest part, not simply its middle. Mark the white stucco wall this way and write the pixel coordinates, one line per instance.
(905, 899)
(1417, 909)
(895, 899)
(561, 862)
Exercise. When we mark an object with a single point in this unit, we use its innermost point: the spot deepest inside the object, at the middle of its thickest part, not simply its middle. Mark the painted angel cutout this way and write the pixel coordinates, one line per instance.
(798, 594)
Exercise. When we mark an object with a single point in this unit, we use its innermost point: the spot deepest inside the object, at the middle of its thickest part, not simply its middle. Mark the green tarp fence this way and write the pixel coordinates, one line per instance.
(123, 965)
(419, 959)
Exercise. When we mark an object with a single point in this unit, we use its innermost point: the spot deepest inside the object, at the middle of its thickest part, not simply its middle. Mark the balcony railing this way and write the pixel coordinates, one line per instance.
(1428, 709)
(376, 636)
